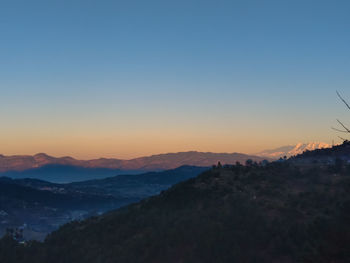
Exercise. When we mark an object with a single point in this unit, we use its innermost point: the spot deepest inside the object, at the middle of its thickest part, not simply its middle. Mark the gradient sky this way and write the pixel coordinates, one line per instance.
(131, 78)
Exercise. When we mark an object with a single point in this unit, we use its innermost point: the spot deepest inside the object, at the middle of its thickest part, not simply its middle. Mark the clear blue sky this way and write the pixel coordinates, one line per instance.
(129, 78)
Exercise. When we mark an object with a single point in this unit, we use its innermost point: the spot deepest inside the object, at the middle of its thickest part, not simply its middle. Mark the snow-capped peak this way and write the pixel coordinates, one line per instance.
(291, 150)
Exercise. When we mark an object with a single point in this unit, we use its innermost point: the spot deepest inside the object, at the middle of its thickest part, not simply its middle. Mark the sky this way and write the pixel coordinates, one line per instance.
(131, 78)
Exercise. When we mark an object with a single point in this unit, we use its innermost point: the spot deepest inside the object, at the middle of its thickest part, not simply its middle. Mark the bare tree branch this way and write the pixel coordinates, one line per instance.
(346, 129)
(347, 105)
(339, 130)
(342, 138)
(343, 126)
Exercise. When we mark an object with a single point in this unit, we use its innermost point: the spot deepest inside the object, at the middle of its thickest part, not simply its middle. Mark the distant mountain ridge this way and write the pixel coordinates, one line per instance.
(291, 150)
(60, 173)
(150, 163)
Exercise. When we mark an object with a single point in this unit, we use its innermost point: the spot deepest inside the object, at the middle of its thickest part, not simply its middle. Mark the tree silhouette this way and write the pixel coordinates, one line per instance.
(345, 129)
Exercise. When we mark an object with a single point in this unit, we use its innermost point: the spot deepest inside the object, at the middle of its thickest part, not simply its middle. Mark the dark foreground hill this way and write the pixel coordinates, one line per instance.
(279, 212)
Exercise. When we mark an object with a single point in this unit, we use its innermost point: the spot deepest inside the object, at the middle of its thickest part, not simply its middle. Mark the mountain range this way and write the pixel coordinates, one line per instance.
(67, 169)
(150, 163)
(291, 150)
(285, 211)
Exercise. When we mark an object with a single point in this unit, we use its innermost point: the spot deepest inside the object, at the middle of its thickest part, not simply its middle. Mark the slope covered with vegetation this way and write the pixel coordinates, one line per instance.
(279, 212)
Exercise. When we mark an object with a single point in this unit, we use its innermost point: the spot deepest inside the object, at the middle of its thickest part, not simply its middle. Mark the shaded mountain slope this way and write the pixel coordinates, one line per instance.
(140, 185)
(280, 212)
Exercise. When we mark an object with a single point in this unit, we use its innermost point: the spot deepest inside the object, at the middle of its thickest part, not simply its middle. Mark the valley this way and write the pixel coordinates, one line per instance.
(39, 207)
